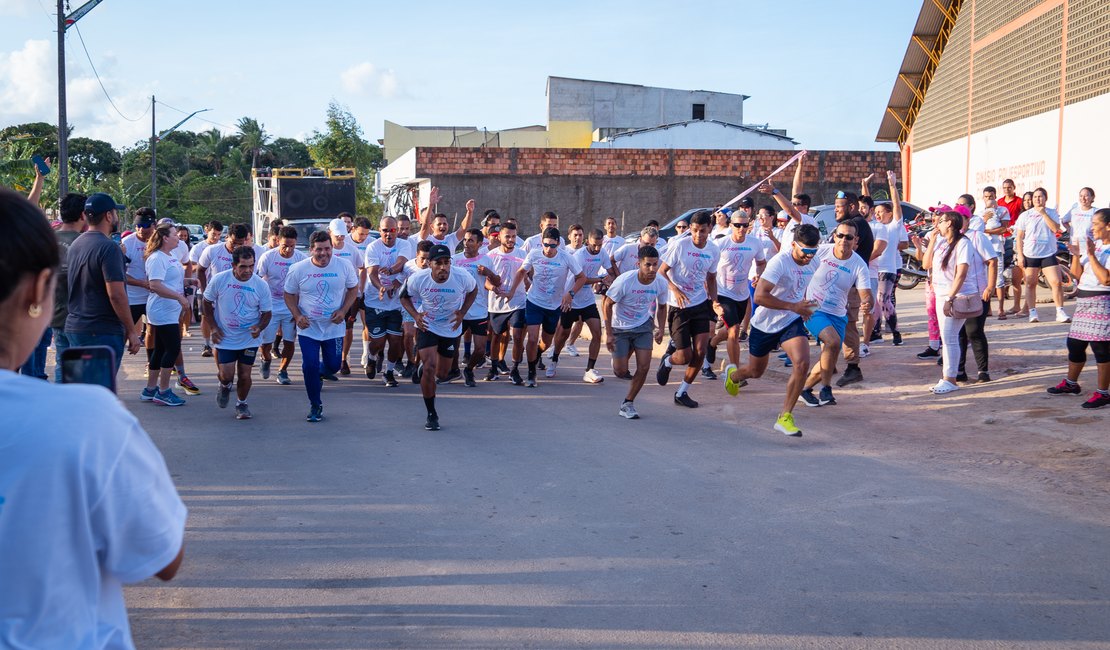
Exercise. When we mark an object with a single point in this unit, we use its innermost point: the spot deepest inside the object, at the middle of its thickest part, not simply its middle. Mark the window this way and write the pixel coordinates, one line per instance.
(699, 112)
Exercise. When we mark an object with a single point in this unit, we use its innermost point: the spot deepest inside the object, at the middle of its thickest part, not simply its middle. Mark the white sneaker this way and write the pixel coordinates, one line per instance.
(1033, 317)
(628, 411)
(1062, 316)
(864, 350)
(592, 377)
(572, 351)
(365, 357)
(548, 352)
(550, 372)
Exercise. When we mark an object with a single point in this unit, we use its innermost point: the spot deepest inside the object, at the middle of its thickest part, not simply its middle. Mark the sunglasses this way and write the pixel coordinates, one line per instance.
(388, 230)
(547, 245)
(797, 204)
(740, 224)
(842, 235)
(806, 251)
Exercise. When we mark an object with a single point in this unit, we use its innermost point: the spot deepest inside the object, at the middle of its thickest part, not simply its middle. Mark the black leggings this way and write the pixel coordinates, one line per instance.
(1077, 350)
(974, 331)
(167, 345)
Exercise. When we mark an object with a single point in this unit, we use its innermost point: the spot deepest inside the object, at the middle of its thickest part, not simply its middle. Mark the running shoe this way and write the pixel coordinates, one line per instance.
(897, 338)
(540, 365)
(452, 375)
(514, 375)
(785, 425)
(743, 336)
(783, 355)
(315, 413)
(482, 363)
(365, 355)
(167, 398)
(207, 351)
(492, 374)
(928, 353)
(731, 387)
(147, 394)
(787, 363)
(1097, 401)
(417, 373)
(809, 398)
(551, 370)
(329, 376)
(627, 376)
(432, 423)
(406, 372)
(531, 381)
(1064, 388)
(572, 351)
(1033, 317)
(264, 369)
(283, 378)
(685, 400)
(826, 397)
(628, 411)
(592, 376)
(345, 368)
(389, 379)
(468, 378)
(876, 336)
(1062, 316)
(371, 368)
(864, 350)
(664, 372)
(708, 373)
(961, 376)
(187, 385)
(242, 412)
(502, 367)
(548, 353)
(223, 394)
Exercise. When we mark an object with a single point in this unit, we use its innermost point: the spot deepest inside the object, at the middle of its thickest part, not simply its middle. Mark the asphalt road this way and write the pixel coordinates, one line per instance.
(539, 518)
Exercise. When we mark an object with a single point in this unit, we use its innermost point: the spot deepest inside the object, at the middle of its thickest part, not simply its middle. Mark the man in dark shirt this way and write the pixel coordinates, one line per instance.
(73, 224)
(847, 212)
(98, 309)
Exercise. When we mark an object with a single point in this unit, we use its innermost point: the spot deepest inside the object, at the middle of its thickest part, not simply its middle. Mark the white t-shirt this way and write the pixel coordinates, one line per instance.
(506, 265)
(985, 252)
(1079, 223)
(273, 268)
(349, 253)
(239, 306)
(439, 301)
(166, 269)
(460, 262)
(627, 257)
(735, 265)
(893, 233)
(611, 244)
(943, 277)
(364, 244)
(832, 278)
(320, 292)
(594, 265)
(216, 259)
(791, 280)
(196, 251)
(1088, 281)
(535, 243)
(1039, 240)
(134, 248)
(769, 249)
(86, 505)
(181, 253)
(689, 267)
(381, 256)
(549, 277)
(787, 236)
(450, 241)
(636, 302)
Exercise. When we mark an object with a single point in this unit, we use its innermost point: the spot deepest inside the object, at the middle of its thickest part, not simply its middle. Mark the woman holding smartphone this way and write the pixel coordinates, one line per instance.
(948, 259)
(164, 309)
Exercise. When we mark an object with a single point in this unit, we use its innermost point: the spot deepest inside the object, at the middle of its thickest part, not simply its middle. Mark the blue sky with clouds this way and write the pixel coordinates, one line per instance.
(821, 70)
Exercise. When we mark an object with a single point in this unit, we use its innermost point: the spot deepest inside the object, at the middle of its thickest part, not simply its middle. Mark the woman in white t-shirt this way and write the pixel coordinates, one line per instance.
(164, 307)
(1035, 251)
(949, 259)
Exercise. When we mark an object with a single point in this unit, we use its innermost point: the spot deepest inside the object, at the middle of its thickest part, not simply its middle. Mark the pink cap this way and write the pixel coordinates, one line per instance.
(964, 210)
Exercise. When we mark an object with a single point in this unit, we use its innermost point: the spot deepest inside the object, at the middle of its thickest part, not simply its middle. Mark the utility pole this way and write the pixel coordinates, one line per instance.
(63, 127)
(153, 160)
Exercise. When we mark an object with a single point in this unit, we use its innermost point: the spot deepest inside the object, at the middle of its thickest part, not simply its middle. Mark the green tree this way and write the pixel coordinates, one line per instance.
(255, 140)
(342, 145)
(209, 153)
(93, 158)
(287, 152)
(42, 136)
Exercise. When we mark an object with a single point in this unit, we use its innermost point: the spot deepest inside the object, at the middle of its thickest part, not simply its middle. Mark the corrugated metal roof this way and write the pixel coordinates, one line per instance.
(663, 127)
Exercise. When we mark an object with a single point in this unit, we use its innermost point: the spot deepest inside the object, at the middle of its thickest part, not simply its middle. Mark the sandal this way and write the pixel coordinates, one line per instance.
(1002, 315)
(943, 387)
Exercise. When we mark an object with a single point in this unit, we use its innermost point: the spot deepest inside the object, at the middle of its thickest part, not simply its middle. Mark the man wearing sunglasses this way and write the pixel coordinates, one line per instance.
(738, 253)
(689, 266)
(780, 322)
(846, 205)
(385, 261)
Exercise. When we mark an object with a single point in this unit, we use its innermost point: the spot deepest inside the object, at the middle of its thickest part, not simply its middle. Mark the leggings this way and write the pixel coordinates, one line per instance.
(167, 345)
(974, 330)
(950, 338)
(332, 350)
(931, 310)
(888, 282)
(1077, 350)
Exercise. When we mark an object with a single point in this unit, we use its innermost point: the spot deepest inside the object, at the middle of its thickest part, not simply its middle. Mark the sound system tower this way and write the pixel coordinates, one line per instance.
(313, 197)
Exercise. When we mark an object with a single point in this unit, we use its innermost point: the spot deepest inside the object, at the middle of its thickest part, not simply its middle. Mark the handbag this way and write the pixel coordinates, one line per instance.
(968, 306)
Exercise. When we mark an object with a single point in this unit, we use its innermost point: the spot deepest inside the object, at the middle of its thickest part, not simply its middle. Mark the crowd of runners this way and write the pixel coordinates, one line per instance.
(479, 302)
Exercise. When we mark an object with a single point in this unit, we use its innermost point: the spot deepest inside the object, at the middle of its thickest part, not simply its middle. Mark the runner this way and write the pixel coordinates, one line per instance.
(273, 267)
(779, 322)
(838, 270)
(319, 292)
(626, 258)
(690, 268)
(612, 241)
(360, 237)
(547, 220)
(583, 308)
(434, 226)
(1035, 251)
(738, 254)
(348, 252)
(628, 307)
(555, 278)
(385, 261)
(479, 266)
(419, 262)
(444, 299)
(238, 303)
(167, 301)
(212, 232)
(506, 308)
(847, 210)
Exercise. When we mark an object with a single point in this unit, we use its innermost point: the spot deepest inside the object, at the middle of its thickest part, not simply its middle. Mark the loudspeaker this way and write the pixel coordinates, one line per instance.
(315, 197)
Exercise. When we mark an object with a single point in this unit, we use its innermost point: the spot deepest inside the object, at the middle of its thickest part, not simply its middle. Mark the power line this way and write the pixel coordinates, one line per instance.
(102, 88)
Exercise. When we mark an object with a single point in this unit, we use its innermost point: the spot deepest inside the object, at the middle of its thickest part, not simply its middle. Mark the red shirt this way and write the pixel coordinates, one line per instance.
(1014, 207)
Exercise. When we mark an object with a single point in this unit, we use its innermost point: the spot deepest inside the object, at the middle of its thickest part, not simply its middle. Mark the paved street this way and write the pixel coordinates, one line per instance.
(538, 518)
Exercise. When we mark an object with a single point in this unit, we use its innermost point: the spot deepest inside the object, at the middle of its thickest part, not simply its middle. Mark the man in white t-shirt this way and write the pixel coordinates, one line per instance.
(690, 268)
(612, 240)
(533, 243)
(360, 237)
(740, 254)
(342, 248)
(134, 252)
(1035, 251)
(506, 310)
(886, 261)
(995, 224)
(478, 264)
(596, 268)
(626, 257)
(628, 307)
(272, 267)
(444, 297)
(385, 260)
(435, 225)
(216, 258)
(319, 291)
(239, 305)
(780, 322)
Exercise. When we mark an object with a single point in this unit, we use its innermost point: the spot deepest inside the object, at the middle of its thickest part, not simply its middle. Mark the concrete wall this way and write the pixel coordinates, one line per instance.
(615, 105)
(696, 135)
(587, 185)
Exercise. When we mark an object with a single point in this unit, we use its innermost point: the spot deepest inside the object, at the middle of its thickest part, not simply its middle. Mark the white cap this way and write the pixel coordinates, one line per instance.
(338, 227)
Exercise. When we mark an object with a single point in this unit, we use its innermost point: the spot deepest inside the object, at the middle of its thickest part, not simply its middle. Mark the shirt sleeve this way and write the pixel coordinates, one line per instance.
(351, 279)
(574, 264)
(212, 291)
(112, 265)
(863, 275)
(292, 281)
(668, 254)
(265, 302)
(616, 291)
(773, 272)
(156, 268)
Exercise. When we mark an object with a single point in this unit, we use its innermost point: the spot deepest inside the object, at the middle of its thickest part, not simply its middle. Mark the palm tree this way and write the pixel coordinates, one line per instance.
(208, 142)
(254, 138)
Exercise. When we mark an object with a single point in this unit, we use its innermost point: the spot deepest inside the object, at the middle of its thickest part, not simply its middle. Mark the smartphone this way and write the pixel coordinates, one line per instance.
(43, 168)
(93, 364)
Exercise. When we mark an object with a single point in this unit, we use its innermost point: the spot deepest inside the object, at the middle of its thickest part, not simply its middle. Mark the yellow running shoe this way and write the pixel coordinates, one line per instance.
(731, 387)
(785, 425)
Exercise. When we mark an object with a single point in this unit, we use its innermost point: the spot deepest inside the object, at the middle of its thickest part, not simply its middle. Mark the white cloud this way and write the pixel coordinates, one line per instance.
(366, 79)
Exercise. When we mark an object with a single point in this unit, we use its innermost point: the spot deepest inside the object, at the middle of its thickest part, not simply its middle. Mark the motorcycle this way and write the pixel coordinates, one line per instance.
(1068, 283)
(911, 274)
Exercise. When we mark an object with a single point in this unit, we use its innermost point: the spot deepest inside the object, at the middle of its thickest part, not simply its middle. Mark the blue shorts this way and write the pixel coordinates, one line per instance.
(761, 343)
(820, 320)
(546, 318)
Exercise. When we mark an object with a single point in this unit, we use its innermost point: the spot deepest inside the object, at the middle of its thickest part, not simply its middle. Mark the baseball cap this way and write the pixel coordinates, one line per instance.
(745, 203)
(963, 210)
(166, 221)
(145, 221)
(726, 211)
(100, 203)
(438, 251)
(338, 227)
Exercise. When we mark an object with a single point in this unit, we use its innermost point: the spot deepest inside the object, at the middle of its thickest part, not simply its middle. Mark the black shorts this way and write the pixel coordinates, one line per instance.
(445, 345)
(1040, 262)
(476, 326)
(499, 323)
(734, 310)
(352, 313)
(244, 357)
(380, 322)
(761, 343)
(569, 318)
(686, 324)
(137, 312)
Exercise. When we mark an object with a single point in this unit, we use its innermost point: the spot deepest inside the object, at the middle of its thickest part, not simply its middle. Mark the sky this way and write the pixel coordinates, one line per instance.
(822, 70)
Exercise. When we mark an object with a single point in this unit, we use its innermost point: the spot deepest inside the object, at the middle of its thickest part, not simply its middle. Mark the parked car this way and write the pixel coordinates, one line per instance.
(825, 215)
(196, 232)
